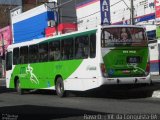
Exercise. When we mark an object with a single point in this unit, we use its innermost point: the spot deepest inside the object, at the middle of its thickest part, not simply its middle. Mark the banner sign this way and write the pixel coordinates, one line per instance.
(105, 12)
(5, 38)
(157, 12)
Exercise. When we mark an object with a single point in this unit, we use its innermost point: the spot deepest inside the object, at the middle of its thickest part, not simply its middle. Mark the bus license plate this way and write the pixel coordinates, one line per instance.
(133, 59)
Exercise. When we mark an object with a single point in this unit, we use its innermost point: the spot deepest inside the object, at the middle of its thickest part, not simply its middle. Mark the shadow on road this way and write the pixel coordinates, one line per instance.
(31, 112)
(118, 92)
(108, 91)
(3, 89)
(113, 92)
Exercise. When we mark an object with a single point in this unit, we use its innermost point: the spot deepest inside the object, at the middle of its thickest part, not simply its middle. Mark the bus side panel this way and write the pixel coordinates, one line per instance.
(10, 78)
(85, 77)
(42, 75)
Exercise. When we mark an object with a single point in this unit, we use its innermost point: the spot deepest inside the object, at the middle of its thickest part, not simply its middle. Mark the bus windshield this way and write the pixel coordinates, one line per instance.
(123, 36)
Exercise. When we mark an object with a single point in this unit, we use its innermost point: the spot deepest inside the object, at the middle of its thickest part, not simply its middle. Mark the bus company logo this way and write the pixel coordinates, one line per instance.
(91, 67)
(33, 78)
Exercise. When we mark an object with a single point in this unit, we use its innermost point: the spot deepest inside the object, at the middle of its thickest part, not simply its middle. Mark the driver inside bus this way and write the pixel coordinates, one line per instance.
(124, 35)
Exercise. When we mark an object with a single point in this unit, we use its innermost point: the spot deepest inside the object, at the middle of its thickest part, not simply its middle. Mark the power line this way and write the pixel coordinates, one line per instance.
(126, 4)
(115, 3)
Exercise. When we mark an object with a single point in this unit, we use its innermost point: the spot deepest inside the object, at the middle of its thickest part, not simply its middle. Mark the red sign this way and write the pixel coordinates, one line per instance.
(62, 29)
(50, 31)
(157, 7)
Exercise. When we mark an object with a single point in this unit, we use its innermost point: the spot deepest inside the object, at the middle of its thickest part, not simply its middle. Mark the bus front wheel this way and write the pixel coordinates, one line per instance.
(19, 90)
(60, 87)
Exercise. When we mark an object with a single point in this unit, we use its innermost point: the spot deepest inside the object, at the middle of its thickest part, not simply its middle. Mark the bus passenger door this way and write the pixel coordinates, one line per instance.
(9, 68)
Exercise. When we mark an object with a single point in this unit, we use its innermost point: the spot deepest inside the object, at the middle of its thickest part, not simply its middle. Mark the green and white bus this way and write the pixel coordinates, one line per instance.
(81, 60)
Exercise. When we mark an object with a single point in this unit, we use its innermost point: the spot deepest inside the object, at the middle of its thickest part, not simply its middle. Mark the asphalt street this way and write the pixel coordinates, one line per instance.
(108, 103)
(45, 105)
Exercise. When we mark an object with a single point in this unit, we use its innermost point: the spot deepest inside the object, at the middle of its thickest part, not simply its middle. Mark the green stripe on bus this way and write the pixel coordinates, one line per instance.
(44, 72)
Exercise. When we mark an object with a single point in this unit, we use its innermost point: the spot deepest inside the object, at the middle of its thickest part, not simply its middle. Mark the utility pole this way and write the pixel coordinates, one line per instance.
(57, 8)
(60, 10)
(132, 13)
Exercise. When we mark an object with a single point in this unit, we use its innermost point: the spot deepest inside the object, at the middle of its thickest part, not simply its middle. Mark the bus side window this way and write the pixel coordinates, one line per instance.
(63, 50)
(51, 51)
(54, 51)
(81, 47)
(33, 53)
(9, 61)
(93, 46)
(70, 48)
(67, 49)
(23, 59)
(15, 56)
(43, 52)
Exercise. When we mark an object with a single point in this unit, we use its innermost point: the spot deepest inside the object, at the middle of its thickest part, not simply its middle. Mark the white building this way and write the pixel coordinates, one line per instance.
(89, 13)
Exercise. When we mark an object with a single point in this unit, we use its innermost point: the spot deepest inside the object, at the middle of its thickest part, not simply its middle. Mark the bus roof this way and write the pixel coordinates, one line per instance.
(65, 36)
(42, 40)
(112, 26)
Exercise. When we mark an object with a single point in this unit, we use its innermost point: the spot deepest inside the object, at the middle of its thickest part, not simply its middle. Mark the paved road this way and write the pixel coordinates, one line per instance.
(47, 106)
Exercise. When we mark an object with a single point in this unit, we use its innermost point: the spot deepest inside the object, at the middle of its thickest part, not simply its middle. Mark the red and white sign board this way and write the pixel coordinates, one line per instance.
(62, 29)
(157, 12)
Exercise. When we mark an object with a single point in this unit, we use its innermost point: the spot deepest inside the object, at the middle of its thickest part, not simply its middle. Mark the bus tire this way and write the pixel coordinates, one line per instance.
(19, 90)
(60, 87)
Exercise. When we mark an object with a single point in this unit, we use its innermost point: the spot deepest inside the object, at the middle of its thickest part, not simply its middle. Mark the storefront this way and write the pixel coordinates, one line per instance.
(5, 40)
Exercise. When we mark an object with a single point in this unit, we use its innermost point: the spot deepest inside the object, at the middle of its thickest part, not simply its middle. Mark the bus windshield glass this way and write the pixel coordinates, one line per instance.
(123, 36)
